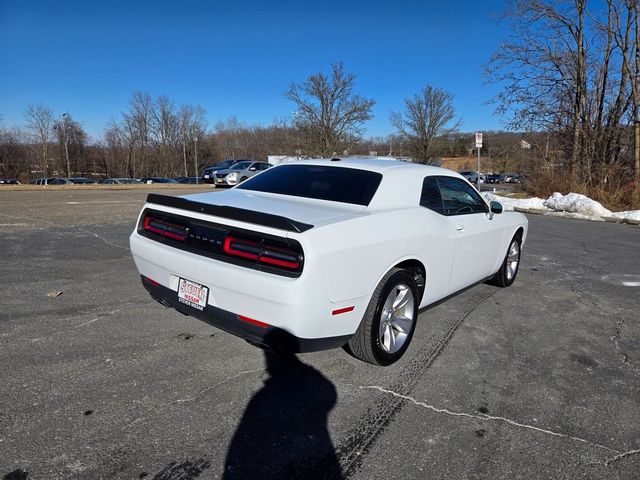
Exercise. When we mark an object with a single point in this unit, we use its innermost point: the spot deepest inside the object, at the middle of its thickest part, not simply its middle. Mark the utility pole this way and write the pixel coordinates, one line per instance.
(195, 140)
(66, 149)
(184, 156)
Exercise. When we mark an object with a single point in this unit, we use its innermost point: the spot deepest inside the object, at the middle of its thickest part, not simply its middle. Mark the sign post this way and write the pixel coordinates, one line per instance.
(478, 147)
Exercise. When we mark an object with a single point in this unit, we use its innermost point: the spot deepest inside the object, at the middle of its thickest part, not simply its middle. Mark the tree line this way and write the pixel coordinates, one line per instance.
(154, 137)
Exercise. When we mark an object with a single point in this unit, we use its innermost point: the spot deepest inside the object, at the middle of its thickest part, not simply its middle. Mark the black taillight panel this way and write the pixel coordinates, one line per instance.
(262, 252)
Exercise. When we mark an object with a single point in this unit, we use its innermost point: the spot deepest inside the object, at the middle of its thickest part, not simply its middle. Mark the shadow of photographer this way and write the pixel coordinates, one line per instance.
(283, 432)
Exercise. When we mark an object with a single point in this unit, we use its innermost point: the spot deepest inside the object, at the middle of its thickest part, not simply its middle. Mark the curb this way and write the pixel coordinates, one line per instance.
(550, 213)
(536, 211)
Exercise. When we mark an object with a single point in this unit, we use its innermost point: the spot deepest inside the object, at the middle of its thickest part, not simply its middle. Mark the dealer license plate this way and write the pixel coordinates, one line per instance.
(206, 175)
(192, 294)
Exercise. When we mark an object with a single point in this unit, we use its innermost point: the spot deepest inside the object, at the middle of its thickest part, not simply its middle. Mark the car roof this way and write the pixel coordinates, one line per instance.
(385, 166)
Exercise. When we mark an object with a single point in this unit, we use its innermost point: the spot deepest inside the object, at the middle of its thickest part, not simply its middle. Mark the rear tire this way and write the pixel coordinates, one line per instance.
(509, 268)
(389, 321)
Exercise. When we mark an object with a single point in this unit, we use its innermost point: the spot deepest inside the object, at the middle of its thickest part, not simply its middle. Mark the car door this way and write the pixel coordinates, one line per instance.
(438, 242)
(477, 238)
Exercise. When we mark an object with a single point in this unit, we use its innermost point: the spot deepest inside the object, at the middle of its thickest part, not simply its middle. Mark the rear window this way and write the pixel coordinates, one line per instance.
(337, 184)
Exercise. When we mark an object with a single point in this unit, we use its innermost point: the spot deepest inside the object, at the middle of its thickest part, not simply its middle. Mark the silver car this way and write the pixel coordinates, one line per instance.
(239, 172)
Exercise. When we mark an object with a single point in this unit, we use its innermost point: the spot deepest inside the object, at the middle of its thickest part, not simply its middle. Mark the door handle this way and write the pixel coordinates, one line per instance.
(459, 228)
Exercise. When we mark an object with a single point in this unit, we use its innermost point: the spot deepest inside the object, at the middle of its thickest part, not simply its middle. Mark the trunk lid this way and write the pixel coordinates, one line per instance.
(309, 211)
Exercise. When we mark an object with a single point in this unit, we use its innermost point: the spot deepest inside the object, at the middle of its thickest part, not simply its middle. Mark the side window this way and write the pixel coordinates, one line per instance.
(459, 198)
(430, 197)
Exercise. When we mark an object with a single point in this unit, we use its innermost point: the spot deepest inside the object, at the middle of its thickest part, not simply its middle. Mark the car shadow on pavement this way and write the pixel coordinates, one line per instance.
(283, 432)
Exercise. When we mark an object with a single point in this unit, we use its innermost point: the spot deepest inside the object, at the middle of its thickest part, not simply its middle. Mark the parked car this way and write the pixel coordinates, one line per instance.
(317, 254)
(41, 181)
(494, 178)
(470, 175)
(157, 180)
(239, 172)
(121, 181)
(60, 181)
(514, 178)
(9, 181)
(82, 181)
(209, 172)
(190, 180)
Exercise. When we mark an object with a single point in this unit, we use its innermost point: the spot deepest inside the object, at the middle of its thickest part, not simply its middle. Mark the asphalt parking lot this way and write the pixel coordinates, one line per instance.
(540, 380)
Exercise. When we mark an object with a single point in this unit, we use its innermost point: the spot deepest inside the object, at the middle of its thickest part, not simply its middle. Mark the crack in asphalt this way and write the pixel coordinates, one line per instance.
(103, 239)
(99, 316)
(486, 417)
(586, 301)
(210, 387)
(614, 339)
(32, 219)
(157, 409)
(622, 455)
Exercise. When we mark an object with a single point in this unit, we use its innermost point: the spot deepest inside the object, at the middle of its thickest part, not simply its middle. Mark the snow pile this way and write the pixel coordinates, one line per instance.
(572, 205)
(630, 215)
(576, 203)
(511, 203)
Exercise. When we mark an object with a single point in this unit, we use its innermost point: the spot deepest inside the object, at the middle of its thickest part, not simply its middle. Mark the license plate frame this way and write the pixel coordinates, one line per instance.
(192, 294)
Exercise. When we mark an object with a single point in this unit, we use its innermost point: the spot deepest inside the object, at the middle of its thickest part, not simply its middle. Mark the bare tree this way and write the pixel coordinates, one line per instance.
(13, 160)
(231, 136)
(69, 131)
(192, 124)
(164, 130)
(138, 122)
(428, 117)
(626, 31)
(40, 124)
(543, 70)
(329, 115)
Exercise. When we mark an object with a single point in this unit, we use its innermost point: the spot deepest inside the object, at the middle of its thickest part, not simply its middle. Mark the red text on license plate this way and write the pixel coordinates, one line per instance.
(192, 294)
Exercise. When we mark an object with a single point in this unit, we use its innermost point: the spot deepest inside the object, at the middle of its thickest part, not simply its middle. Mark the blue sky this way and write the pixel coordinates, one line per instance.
(237, 57)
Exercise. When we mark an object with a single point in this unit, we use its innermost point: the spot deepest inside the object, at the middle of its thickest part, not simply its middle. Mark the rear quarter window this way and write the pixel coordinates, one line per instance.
(336, 184)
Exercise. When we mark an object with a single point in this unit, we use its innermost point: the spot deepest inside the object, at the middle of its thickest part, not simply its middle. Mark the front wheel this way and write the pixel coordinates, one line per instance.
(509, 268)
(389, 322)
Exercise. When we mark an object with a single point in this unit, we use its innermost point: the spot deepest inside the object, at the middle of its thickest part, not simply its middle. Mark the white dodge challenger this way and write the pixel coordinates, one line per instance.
(318, 254)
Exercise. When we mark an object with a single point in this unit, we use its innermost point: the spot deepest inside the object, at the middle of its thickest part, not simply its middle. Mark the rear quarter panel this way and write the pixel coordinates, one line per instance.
(355, 254)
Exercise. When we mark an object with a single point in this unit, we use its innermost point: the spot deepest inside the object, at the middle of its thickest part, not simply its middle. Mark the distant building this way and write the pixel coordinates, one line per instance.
(278, 159)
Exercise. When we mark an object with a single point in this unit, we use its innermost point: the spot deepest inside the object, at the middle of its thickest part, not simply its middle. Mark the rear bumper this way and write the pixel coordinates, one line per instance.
(263, 335)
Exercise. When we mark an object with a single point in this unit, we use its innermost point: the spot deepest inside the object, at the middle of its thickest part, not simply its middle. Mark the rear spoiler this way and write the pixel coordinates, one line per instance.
(233, 213)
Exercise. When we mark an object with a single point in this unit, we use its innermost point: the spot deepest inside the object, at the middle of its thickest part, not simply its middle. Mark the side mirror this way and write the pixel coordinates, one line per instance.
(495, 207)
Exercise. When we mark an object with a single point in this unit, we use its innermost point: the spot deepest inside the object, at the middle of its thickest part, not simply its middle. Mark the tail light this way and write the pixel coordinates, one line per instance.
(165, 228)
(276, 255)
(263, 252)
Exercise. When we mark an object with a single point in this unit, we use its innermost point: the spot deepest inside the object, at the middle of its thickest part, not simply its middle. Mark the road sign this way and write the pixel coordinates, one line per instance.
(478, 140)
